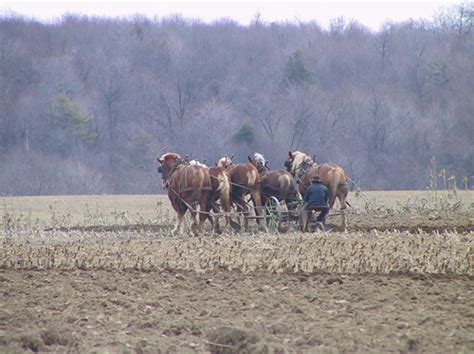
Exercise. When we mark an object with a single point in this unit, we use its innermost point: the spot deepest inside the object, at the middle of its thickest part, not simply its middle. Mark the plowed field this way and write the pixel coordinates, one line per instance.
(110, 278)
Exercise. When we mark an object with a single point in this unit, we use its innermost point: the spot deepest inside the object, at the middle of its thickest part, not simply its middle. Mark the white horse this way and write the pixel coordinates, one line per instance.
(260, 161)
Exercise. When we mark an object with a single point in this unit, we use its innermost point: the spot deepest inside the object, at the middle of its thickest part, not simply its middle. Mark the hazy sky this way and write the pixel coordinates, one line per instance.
(371, 13)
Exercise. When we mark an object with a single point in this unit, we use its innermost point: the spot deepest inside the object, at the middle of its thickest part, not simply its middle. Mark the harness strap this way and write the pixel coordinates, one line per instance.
(189, 189)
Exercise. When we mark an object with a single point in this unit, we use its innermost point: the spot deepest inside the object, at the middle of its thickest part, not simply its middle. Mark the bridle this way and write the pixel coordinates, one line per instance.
(301, 170)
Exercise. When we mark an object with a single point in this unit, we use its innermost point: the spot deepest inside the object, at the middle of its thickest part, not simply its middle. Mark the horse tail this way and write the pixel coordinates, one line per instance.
(285, 184)
(197, 184)
(224, 191)
(334, 180)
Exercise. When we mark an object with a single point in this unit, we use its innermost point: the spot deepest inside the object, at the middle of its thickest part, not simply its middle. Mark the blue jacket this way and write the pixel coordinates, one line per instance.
(317, 195)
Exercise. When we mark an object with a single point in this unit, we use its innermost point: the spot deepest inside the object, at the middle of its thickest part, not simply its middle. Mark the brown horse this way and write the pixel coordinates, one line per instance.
(279, 184)
(187, 186)
(303, 168)
(244, 179)
(221, 189)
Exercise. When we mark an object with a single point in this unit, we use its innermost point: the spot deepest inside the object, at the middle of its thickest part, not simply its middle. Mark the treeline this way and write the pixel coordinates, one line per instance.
(86, 104)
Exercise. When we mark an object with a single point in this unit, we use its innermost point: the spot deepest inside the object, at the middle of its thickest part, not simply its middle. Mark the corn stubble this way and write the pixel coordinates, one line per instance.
(345, 253)
(134, 240)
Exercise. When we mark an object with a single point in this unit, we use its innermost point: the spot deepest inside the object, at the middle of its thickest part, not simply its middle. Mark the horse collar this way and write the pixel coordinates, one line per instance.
(173, 169)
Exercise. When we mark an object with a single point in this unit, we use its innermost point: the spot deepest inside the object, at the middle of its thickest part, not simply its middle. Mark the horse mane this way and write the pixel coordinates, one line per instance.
(225, 162)
(298, 159)
(169, 154)
(260, 162)
(259, 158)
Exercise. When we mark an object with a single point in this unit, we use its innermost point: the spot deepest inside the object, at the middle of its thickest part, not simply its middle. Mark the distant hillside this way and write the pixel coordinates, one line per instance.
(87, 104)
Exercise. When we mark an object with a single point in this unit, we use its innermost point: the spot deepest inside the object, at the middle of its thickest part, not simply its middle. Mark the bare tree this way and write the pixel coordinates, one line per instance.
(376, 103)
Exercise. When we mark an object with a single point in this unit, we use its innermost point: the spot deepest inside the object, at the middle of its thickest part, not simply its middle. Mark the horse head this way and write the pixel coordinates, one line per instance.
(252, 160)
(168, 163)
(260, 162)
(298, 162)
(225, 162)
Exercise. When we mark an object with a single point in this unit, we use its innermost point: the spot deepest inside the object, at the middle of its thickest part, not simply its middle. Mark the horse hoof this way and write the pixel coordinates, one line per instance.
(235, 226)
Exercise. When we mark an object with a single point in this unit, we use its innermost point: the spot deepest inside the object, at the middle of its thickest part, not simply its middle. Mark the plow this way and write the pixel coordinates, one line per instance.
(277, 216)
(280, 217)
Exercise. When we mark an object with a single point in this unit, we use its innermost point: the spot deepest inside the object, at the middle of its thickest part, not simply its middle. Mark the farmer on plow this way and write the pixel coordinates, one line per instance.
(316, 198)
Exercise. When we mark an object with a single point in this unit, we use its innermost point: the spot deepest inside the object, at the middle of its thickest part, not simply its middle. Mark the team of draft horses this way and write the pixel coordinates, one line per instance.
(191, 184)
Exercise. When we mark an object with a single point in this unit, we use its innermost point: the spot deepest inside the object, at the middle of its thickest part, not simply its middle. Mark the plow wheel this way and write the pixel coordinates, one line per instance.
(273, 214)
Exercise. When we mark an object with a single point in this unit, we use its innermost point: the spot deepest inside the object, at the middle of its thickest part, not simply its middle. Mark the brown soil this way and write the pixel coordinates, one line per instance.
(229, 312)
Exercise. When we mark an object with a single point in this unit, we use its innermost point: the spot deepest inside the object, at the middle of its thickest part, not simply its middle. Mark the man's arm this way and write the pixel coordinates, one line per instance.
(326, 195)
(307, 195)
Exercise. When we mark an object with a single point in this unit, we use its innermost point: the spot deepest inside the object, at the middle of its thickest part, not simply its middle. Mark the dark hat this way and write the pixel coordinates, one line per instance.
(316, 179)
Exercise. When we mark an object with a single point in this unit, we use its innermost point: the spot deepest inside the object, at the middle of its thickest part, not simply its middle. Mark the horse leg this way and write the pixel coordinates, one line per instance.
(215, 221)
(227, 205)
(203, 216)
(243, 210)
(257, 202)
(180, 211)
(211, 205)
(205, 208)
(306, 217)
(225, 199)
(194, 224)
(226, 208)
